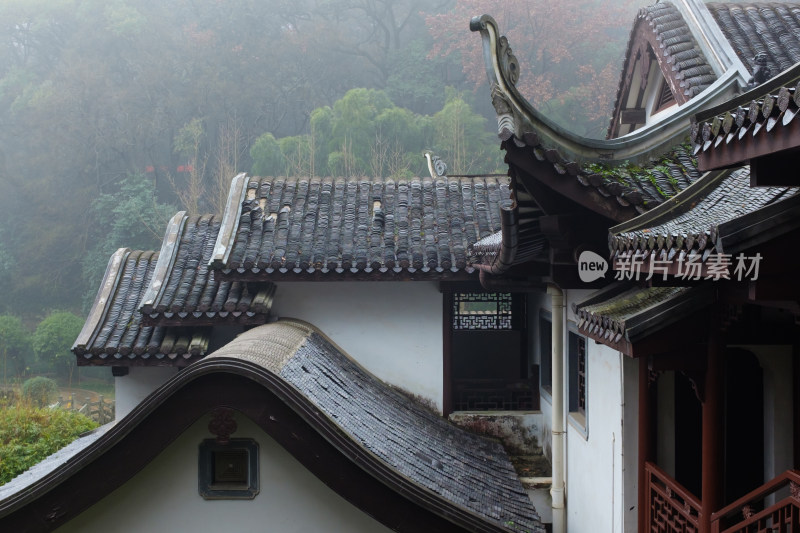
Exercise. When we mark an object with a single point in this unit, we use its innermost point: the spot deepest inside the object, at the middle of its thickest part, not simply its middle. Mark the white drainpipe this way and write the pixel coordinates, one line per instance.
(557, 487)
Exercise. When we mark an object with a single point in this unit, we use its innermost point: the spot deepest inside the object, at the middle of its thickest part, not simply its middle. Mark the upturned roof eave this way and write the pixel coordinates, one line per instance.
(517, 116)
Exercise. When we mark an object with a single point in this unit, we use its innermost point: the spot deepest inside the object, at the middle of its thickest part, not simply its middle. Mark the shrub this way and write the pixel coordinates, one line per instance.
(53, 338)
(39, 391)
(28, 435)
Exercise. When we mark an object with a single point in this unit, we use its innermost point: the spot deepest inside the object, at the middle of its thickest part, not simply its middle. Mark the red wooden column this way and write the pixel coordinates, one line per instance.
(646, 440)
(712, 447)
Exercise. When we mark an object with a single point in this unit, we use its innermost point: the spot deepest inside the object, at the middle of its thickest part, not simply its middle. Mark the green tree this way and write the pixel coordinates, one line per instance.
(39, 391)
(53, 339)
(267, 156)
(131, 217)
(15, 346)
(462, 139)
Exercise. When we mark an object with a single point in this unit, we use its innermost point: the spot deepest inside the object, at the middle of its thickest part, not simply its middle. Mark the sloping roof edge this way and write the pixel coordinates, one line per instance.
(709, 36)
(249, 385)
(519, 120)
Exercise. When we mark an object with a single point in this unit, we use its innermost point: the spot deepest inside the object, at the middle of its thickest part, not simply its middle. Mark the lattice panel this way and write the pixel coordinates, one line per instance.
(482, 311)
(670, 511)
(666, 518)
(780, 518)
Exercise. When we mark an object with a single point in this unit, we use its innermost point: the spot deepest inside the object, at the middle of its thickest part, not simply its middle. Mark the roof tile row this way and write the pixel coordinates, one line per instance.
(305, 225)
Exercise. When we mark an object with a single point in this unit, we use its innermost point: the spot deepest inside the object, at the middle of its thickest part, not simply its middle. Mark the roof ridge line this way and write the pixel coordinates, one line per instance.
(230, 221)
(166, 259)
(99, 308)
(712, 41)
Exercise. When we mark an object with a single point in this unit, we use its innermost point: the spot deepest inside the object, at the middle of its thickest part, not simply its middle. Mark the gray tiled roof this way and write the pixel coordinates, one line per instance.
(692, 225)
(114, 333)
(619, 315)
(608, 318)
(769, 27)
(185, 288)
(679, 47)
(467, 470)
(362, 225)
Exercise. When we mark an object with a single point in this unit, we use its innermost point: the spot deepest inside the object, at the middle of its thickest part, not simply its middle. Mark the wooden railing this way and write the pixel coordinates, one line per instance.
(773, 507)
(670, 507)
(101, 411)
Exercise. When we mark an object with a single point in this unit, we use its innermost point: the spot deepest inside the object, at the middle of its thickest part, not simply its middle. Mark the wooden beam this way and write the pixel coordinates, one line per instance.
(751, 147)
(712, 432)
(447, 347)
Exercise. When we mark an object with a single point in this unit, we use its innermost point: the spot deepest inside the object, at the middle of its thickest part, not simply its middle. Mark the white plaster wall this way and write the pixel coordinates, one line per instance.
(594, 459)
(137, 385)
(291, 500)
(393, 329)
(602, 461)
(538, 302)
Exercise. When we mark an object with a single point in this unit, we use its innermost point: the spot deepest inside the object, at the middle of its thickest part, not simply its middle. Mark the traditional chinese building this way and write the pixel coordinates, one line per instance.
(351, 406)
(670, 387)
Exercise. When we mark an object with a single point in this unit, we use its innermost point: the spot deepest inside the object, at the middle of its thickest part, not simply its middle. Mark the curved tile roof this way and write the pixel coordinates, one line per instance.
(349, 428)
(374, 226)
(678, 47)
(771, 28)
(469, 471)
(184, 288)
(621, 170)
(697, 224)
(620, 318)
(114, 333)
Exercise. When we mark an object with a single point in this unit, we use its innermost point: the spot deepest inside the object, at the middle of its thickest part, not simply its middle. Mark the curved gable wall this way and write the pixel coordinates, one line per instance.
(164, 496)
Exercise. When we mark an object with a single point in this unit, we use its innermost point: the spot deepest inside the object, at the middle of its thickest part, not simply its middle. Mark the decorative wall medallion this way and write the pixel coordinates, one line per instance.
(222, 424)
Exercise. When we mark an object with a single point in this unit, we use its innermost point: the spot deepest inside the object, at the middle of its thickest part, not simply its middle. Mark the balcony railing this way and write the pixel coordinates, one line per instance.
(773, 507)
(671, 508)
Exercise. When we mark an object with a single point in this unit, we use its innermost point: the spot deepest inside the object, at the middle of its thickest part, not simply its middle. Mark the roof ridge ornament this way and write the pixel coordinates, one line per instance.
(761, 72)
(519, 121)
(437, 168)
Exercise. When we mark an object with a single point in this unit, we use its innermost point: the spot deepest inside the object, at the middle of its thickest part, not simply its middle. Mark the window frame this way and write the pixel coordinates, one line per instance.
(210, 490)
(578, 379)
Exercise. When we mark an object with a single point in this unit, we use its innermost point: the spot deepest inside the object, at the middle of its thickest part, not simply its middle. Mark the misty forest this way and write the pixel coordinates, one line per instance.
(114, 114)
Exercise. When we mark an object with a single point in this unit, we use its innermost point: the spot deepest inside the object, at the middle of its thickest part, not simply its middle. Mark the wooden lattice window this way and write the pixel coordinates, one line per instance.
(664, 98)
(487, 367)
(483, 311)
(577, 374)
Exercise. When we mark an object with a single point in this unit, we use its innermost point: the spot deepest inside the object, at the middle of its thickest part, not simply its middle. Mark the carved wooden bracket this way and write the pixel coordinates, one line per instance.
(698, 380)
